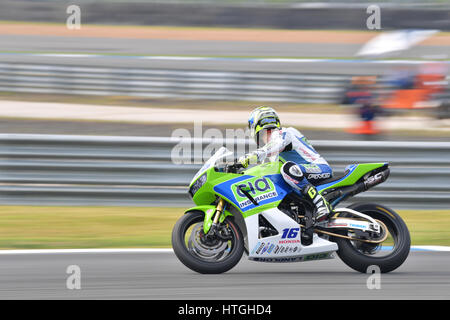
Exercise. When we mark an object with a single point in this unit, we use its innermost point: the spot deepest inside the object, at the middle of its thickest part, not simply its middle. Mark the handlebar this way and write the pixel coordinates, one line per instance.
(233, 168)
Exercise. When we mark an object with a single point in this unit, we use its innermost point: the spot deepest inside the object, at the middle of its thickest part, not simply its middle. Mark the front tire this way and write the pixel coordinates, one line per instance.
(211, 257)
(360, 257)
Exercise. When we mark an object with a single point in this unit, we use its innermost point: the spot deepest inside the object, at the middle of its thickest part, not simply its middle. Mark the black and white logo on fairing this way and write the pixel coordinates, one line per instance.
(319, 176)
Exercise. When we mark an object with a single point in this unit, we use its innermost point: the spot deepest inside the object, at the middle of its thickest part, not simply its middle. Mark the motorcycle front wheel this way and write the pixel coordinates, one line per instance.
(202, 254)
(387, 256)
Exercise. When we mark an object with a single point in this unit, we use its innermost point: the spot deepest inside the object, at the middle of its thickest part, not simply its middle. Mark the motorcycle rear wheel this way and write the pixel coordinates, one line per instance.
(206, 256)
(360, 256)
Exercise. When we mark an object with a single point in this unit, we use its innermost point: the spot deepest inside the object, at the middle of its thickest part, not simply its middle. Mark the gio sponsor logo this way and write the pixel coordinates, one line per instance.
(259, 188)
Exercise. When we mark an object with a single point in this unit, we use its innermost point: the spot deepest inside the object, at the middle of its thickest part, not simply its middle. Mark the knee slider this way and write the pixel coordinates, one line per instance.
(292, 173)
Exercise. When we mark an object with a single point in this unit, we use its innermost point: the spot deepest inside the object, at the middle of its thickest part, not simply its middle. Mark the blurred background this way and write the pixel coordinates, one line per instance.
(90, 97)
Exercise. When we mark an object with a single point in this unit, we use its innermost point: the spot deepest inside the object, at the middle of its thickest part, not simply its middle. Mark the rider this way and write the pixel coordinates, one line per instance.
(302, 167)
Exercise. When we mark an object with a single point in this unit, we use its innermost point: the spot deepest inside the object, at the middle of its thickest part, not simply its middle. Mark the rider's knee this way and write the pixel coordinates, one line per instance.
(293, 175)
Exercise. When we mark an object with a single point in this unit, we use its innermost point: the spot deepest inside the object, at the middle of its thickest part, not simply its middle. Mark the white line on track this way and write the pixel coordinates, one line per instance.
(62, 251)
(160, 250)
(206, 58)
(432, 248)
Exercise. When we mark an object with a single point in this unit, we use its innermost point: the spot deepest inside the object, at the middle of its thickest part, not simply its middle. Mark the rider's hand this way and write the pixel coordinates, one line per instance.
(246, 160)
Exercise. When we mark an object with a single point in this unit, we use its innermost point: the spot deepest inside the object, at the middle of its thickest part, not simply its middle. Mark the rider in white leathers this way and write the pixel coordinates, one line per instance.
(302, 167)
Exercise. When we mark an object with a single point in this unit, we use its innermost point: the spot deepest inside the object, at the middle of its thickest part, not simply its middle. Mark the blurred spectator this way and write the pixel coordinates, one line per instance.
(361, 95)
(402, 78)
(414, 89)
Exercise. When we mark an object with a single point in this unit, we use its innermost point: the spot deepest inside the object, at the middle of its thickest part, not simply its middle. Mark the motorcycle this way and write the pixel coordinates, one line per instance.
(255, 211)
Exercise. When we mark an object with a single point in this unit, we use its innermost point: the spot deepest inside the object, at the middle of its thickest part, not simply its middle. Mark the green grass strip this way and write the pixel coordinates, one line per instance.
(38, 227)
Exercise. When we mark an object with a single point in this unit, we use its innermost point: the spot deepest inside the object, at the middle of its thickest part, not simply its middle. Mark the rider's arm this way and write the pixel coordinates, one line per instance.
(277, 143)
(316, 167)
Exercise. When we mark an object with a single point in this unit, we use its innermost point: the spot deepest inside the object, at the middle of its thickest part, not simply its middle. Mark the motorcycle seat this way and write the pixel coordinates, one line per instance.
(332, 179)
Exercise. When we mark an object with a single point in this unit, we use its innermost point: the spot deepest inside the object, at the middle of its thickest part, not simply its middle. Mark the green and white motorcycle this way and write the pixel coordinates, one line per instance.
(256, 212)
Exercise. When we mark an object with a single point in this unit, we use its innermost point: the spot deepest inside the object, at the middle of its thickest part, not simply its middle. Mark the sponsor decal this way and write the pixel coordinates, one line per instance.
(311, 257)
(256, 247)
(331, 224)
(288, 241)
(260, 248)
(270, 248)
(293, 259)
(373, 180)
(316, 176)
(317, 256)
(265, 196)
(265, 248)
(307, 154)
(311, 168)
(267, 120)
(291, 179)
(259, 188)
(290, 233)
(360, 226)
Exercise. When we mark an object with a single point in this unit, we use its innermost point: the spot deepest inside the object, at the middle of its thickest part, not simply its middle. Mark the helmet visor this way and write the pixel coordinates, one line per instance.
(266, 135)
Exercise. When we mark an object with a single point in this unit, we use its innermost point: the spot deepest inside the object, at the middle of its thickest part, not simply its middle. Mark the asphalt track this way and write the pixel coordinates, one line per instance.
(231, 55)
(424, 275)
(36, 126)
(194, 47)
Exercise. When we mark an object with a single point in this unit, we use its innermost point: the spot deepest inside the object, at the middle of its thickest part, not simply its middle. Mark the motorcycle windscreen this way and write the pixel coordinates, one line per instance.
(219, 156)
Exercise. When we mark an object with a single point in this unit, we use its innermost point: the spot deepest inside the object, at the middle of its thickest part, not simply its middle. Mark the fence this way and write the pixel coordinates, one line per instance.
(179, 84)
(136, 171)
(156, 83)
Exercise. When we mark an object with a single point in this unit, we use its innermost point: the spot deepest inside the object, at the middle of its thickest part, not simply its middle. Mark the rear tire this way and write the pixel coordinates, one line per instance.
(207, 265)
(359, 261)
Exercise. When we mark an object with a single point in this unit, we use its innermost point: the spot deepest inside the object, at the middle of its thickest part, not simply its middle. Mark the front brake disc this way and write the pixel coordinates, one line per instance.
(205, 250)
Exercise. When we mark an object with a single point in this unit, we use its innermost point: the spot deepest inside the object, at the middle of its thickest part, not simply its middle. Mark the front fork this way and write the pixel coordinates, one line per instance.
(219, 209)
(214, 229)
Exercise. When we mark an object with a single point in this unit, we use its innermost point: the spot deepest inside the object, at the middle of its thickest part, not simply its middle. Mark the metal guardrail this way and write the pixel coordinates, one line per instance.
(184, 84)
(93, 170)
(156, 83)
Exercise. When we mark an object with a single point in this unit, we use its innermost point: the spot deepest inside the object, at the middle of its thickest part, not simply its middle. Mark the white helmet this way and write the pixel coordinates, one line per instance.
(262, 118)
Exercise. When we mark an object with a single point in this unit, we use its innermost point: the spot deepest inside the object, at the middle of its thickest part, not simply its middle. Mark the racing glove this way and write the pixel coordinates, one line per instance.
(246, 160)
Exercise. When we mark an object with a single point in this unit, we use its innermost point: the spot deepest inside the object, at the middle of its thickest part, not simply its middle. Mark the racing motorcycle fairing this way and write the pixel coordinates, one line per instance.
(285, 245)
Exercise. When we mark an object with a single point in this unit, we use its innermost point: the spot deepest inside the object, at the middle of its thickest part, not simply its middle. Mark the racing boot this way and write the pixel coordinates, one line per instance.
(322, 207)
(322, 211)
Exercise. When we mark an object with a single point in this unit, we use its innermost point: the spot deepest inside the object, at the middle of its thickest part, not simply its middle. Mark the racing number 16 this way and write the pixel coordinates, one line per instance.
(290, 233)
